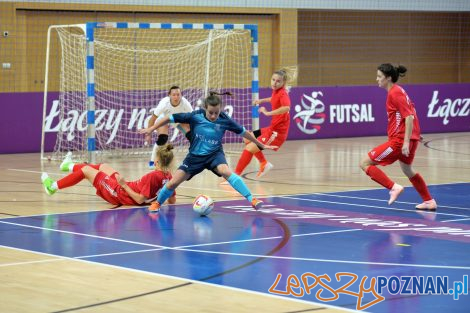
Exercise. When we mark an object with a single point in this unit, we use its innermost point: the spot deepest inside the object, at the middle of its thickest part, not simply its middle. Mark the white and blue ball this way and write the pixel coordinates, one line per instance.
(203, 205)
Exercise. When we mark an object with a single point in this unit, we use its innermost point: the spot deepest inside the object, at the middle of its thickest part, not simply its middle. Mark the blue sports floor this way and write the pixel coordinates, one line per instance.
(301, 239)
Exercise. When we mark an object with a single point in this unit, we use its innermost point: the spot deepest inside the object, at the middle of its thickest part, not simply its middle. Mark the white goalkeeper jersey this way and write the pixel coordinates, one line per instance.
(164, 107)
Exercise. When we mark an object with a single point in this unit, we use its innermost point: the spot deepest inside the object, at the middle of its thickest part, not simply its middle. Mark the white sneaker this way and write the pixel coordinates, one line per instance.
(395, 192)
(64, 166)
(430, 205)
(264, 169)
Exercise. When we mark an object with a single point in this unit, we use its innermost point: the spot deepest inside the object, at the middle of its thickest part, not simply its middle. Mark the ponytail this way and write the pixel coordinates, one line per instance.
(394, 72)
(215, 93)
(165, 156)
(213, 99)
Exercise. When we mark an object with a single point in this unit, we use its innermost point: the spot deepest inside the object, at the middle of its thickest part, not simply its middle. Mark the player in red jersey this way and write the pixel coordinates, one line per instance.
(403, 139)
(111, 186)
(276, 133)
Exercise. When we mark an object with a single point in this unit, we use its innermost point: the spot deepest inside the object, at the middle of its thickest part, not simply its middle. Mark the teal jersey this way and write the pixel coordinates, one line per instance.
(206, 136)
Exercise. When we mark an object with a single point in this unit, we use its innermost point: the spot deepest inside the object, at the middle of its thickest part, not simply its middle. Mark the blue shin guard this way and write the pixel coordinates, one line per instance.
(239, 185)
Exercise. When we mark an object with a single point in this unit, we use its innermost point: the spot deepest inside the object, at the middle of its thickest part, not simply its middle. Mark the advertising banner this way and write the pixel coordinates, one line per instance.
(331, 112)
(316, 112)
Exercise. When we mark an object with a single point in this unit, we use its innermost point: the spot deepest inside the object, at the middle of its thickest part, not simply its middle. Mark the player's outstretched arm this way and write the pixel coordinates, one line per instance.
(264, 100)
(158, 124)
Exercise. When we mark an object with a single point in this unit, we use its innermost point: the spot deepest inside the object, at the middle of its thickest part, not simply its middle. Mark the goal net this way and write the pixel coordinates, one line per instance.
(112, 76)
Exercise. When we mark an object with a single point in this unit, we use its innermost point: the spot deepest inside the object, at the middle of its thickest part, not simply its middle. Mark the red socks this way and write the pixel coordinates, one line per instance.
(260, 156)
(245, 159)
(76, 176)
(379, 176)
(420, 186)
(71, 179)
(418, 182)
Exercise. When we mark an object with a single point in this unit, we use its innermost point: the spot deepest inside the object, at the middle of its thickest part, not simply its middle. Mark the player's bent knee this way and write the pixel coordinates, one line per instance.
(365, 163)
(162, 139)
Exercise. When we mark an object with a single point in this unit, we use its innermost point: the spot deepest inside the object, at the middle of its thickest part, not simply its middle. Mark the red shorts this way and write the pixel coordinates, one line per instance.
(107, 187)
(387, 153)
(271, 137)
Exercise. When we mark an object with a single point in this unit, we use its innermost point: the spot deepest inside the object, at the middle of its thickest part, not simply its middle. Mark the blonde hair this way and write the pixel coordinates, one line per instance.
(165, 156)
(288, 74)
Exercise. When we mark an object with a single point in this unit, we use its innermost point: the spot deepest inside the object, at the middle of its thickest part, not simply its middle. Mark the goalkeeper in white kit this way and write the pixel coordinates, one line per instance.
(173, 103)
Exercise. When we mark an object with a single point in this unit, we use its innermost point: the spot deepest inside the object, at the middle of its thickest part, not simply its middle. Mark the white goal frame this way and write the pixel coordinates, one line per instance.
(89, 30)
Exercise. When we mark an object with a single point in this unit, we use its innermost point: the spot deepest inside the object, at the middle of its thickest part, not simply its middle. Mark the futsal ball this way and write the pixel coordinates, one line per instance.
(203, 205)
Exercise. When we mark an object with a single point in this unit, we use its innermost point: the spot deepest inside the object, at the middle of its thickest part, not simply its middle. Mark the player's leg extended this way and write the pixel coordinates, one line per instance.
(238, 184)
(369, 166)
(72, 179)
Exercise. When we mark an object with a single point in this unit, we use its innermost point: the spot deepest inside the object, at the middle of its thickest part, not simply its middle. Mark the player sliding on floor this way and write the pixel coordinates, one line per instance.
(110, 185)
(208, 126)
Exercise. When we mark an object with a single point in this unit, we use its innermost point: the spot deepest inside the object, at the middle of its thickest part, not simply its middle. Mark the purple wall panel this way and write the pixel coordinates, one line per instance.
(316, 112)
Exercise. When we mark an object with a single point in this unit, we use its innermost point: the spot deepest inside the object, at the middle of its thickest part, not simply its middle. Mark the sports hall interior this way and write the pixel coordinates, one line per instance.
(331, 45)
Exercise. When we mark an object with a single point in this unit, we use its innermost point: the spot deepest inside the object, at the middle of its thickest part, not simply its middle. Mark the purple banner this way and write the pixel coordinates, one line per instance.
(316, 112)
(330, 112)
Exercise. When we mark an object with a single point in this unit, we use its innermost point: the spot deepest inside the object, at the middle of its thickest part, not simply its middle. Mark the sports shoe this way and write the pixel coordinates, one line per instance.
(427, 205)
(256, 204)
(47, 183)
(395, 192)
(264, 168)
(154, 207)
(64, 166)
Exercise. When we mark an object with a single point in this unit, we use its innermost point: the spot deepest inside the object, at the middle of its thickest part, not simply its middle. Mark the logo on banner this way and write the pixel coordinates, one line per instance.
(448, 108)
(113, 121)
(310, 114)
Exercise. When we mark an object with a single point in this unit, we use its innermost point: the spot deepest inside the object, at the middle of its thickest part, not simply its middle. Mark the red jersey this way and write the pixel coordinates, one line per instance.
(148, 185)
(280, 122)
(399, 106)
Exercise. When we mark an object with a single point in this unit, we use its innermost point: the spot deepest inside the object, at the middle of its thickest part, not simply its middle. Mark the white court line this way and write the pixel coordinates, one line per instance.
(82, 234)
(254, 255)
(380, 200)
(158, 247)
(456, 220)
(265, 238)
(28, 262)
(187, 280)
(367, 206)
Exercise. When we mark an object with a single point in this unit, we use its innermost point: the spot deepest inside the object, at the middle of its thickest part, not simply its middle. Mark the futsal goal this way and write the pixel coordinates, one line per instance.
(112, 76)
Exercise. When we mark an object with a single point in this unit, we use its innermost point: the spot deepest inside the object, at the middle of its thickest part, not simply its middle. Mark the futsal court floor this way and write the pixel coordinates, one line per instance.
(324, 240)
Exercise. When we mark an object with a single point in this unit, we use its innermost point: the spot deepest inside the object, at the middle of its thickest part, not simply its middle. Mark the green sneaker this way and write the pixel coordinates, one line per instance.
(47, 183)
(65, 165)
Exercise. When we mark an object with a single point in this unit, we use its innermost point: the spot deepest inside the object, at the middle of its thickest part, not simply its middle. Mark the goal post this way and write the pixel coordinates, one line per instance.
(112, 76)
